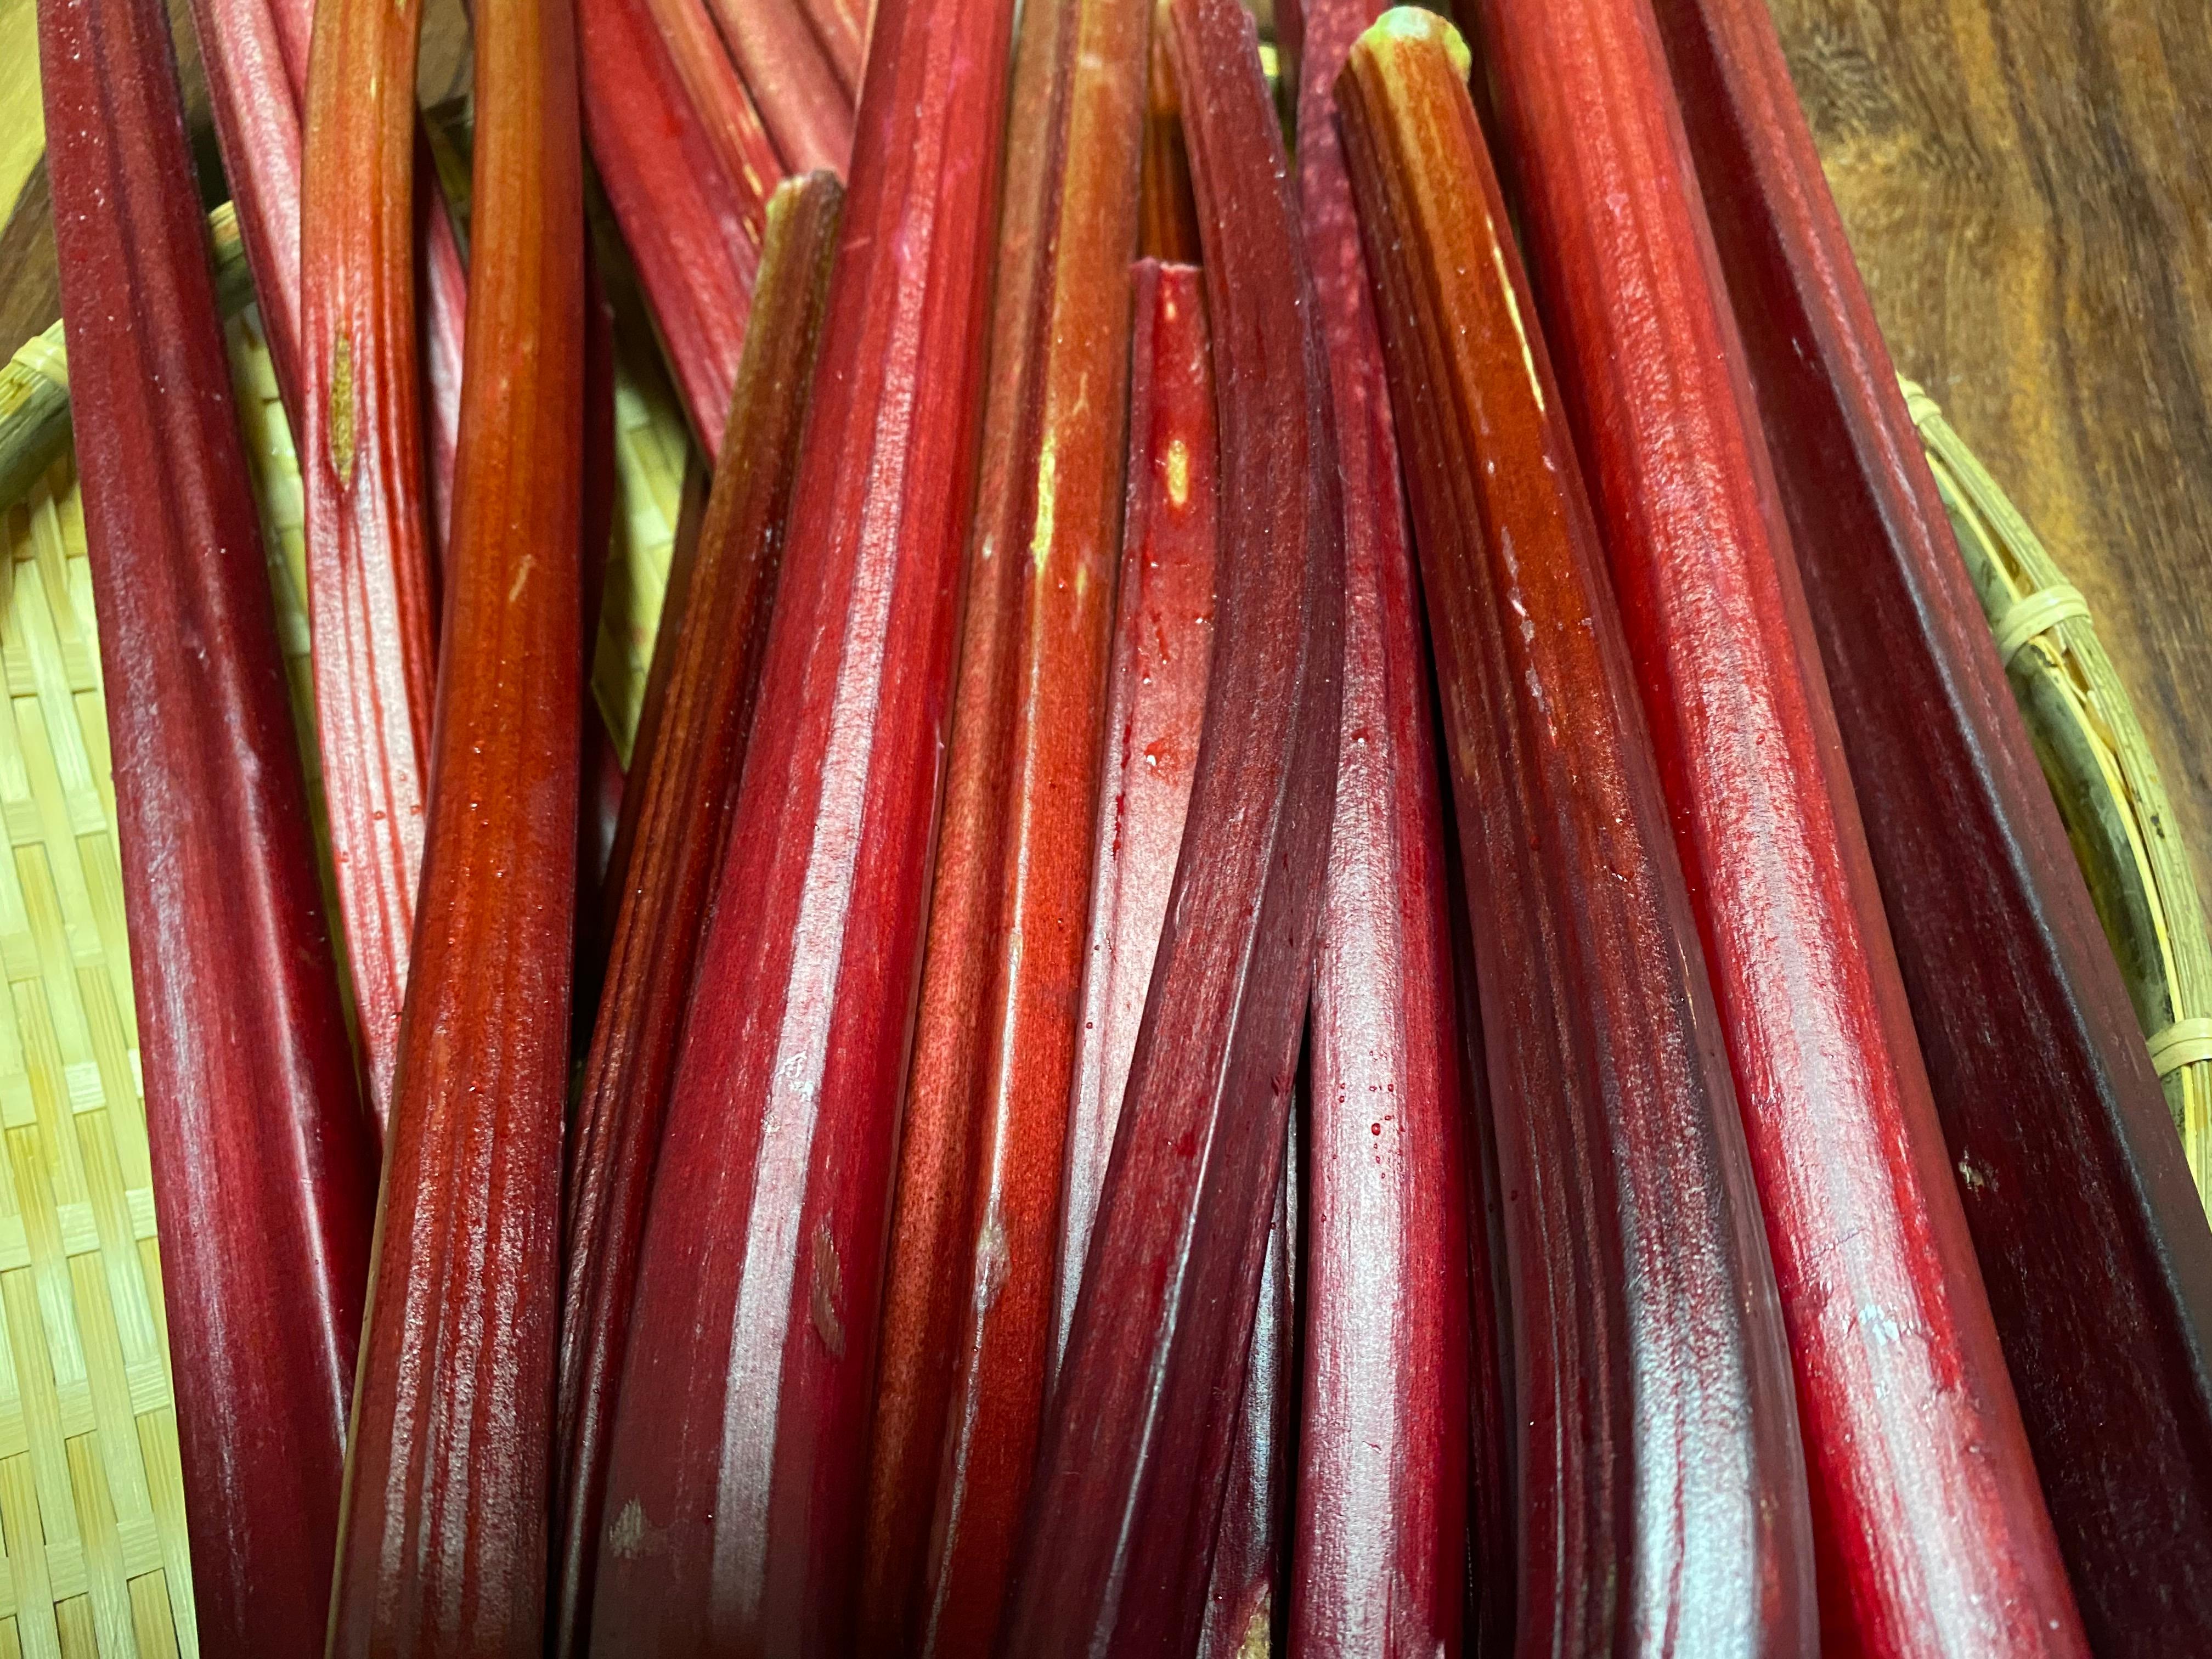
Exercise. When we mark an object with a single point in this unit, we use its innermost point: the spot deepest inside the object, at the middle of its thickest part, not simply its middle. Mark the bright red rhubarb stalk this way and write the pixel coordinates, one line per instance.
(370, 593)
(263, 1163)
(968, 1309)
(693, 228)
(2095, 1254)
(1931, 1531)
(1131, 1478)
(1163, 653)
(722, 106)
(444, 1543)
(1382, 1440)
(740, 1438)
(1662, 1504)
(808, 110)
(682, 785)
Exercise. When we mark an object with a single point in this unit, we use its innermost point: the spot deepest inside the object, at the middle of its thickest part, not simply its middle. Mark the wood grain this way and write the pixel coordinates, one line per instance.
(2026, 186)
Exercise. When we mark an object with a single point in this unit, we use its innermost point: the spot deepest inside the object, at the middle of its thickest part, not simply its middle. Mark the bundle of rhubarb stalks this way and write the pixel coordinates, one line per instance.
(1328, 929)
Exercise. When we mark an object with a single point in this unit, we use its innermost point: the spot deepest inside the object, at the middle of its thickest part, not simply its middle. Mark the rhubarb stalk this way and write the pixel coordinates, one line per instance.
(369, 587)
(443, 1546)
(1130, 1482)
(2095, 1253)
(264, 1163)
(807, 109)
(1661, 1488)
(1167, 216)
(1163, 653)
(739, 1447)
(1931, 1530)
(1244, 1597)
(1382, 1442)
(683, 782)
(968, 1309)
(722, 106)
(692, 227)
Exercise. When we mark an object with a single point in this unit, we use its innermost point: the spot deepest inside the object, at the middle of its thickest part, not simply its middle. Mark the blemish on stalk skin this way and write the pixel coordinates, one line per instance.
(824, 1283)
(1178, 472)
(1040, 536)
(521, 577)
(1973, 1180)
(631, 1537)
(341, 411)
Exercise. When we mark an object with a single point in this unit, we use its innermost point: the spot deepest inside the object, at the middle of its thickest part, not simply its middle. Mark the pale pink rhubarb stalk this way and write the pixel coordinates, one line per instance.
(740, 1438)
(369, 587)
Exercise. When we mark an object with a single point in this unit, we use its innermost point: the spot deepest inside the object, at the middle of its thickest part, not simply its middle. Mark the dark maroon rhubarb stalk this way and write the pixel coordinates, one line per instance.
(1662, 1505)
(1167, 216)
(370, 592)
(693, 230)
(443, 1548)
(1163, 652)
(2096, 1257)
(807, 109)
(264, 1163)
(1382, 1489)
(968, 1307)
(684, 784)
(740, 1441)
(1931, 1531)
(1248, 1582)
(1134, 1459)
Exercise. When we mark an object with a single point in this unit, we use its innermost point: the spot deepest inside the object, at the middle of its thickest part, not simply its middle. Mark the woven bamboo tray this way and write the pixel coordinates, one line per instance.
(94, 1563)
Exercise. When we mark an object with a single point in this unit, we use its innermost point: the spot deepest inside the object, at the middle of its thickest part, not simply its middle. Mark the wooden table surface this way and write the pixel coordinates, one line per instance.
(2027, 185)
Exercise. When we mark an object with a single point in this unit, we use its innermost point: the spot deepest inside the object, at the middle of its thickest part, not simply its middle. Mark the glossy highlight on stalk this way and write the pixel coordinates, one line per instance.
(679, 794)
(370, 593)
(443, 1549)
(737, 1472)
(2094, 1251)
(808, 110)
(969, 1301)
(693, 229)
(1931, 1531)
(1382, 1442)
(263, 1156)
(1163, 656)
(1135, 1461)
(1661, 1486)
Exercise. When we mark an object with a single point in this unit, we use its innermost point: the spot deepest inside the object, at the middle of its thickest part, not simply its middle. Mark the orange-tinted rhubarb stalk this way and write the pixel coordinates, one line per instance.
(968, 1301)
(807, 108)
(1167, 216)
(370, 594)
(1382, 1438)
(444, 1543)
(1662, 1505)
(741, 1439)
(682, 785)
(1930, 1526)
(265, 1171)
(1135, 1457)
(2094, 1247)
(1163, 653)
(692, 227)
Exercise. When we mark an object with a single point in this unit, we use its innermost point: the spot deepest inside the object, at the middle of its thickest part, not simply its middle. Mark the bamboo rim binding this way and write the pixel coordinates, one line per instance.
(2100, 768)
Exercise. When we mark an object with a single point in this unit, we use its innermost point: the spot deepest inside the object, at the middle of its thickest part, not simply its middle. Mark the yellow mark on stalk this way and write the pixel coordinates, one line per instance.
(1178, 471)
(521, 577)
(1041, 535)
(1419, 23)
(1513, 310)
(341, 411)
